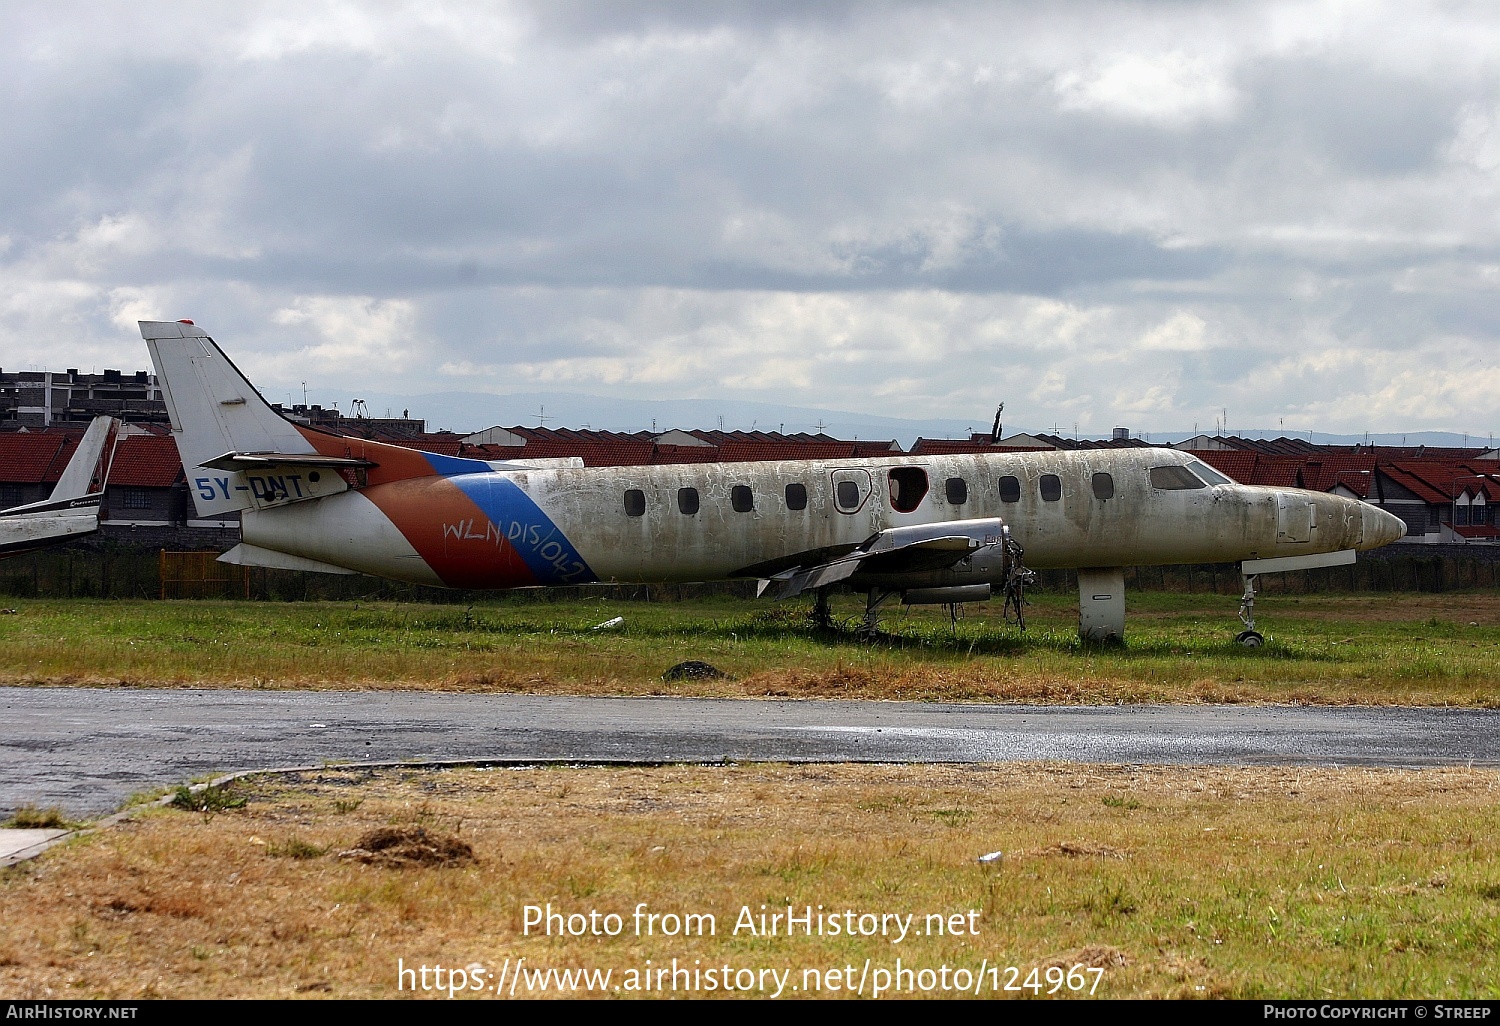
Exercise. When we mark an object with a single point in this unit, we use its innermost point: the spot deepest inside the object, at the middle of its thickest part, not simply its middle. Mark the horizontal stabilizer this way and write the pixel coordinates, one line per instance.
(84, 505)
(22, 534)
(236, 461)
(253, 555)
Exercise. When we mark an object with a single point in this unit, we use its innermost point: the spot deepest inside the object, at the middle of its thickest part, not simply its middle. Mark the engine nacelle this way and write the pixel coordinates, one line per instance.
(991, 563)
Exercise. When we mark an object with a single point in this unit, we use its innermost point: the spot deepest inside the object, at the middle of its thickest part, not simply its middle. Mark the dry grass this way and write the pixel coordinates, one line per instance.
(1176, 881)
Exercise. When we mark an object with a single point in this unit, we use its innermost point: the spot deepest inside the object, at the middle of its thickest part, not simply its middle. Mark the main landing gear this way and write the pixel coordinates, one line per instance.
(822, 616)
(1249, 637)
(877, 598)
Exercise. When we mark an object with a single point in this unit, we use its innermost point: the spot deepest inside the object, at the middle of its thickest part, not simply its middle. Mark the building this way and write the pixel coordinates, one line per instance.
(42, 399)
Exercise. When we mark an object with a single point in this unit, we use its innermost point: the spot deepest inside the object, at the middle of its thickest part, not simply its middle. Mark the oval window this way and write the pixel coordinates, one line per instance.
(847, 496)
(741, 498)
(1104, 486)
(1010, 489)
(796, 496)
(687, 501)
(635, 502)
(957, 490)
(1051, 486)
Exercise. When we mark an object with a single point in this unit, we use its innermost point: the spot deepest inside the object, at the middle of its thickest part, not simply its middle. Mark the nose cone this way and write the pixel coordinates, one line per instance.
(1380, 528)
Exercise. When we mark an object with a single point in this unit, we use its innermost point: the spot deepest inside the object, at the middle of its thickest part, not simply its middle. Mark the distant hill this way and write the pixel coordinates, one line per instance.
(1438, 438)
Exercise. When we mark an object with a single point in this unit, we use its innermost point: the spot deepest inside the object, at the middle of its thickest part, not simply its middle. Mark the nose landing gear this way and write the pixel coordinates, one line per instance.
(1249, 637)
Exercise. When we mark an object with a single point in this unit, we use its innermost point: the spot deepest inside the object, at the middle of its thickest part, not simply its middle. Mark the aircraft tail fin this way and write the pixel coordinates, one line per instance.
(87, 471)
(214, 411)
(240, 453)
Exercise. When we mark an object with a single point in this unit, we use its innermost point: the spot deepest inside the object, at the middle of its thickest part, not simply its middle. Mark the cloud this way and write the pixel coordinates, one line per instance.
(1092, 210)
(376, 335)
(1182, 333)
(1171, 89)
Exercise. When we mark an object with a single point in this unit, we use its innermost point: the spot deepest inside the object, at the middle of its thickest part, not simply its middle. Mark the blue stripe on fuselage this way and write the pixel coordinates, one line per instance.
(449, 466)
(537, 540)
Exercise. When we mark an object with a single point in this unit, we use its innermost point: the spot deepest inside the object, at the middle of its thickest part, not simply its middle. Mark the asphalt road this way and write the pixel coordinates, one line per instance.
(87, 750)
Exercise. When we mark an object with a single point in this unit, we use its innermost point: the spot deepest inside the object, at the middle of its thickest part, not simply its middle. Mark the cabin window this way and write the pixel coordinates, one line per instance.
(847, 496)
(796, 496)
(687, 501)
(908, 488)
(1209, 474)
(1010, 489)
(1051, 486)
(957, 490)
(1104, 486)
(635, 502)
(741, 498)
(1174, 479)
(135, 498)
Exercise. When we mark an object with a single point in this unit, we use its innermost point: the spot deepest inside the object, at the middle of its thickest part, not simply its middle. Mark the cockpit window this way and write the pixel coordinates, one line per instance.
(1174, 478)
(1208, 473)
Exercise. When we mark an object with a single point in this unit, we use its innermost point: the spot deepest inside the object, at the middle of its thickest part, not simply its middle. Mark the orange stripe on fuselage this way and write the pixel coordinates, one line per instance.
(451, 533)
(393, 462)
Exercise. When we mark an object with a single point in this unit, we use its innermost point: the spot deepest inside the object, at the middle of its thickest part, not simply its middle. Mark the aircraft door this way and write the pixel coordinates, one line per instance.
(1294, 518)
(850, 490)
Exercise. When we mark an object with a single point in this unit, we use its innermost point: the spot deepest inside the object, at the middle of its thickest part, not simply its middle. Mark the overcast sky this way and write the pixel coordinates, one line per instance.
(1134, 214)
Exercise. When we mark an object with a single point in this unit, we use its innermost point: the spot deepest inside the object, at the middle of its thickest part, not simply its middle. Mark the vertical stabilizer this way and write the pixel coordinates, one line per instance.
(214, 411)
(88, 470)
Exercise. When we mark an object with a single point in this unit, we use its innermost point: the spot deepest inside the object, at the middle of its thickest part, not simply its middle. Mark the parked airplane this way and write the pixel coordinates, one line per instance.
(939, 529)
(72, 510)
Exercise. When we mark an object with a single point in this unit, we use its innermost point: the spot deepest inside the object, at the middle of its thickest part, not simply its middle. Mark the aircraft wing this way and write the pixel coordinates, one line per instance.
(898, 550)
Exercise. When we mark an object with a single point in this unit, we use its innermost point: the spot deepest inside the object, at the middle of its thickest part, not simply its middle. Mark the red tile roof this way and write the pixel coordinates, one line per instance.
(1442, 481)
(146, 461)
(39, 457)
(1238, 465)
(36, 457)
(1320, 472)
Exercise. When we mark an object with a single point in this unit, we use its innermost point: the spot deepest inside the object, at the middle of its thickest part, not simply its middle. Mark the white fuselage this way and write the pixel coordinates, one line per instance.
(1066, 525)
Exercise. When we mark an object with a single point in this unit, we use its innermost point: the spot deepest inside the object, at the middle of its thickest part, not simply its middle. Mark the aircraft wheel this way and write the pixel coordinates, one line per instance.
(1250, 639)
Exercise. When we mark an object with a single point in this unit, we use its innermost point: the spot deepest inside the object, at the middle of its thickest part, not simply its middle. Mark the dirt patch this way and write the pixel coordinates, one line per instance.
(1083, 850)
(694, 669)
(1097, 956)
(400, 846)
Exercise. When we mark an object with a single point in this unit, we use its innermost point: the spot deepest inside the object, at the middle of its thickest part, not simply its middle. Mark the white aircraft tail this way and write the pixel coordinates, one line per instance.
(88, 470)
(72, 510)
(215, 412)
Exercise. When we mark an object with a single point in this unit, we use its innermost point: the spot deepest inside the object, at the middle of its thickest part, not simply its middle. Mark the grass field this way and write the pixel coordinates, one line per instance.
(1176, 882)
(1418, 649)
